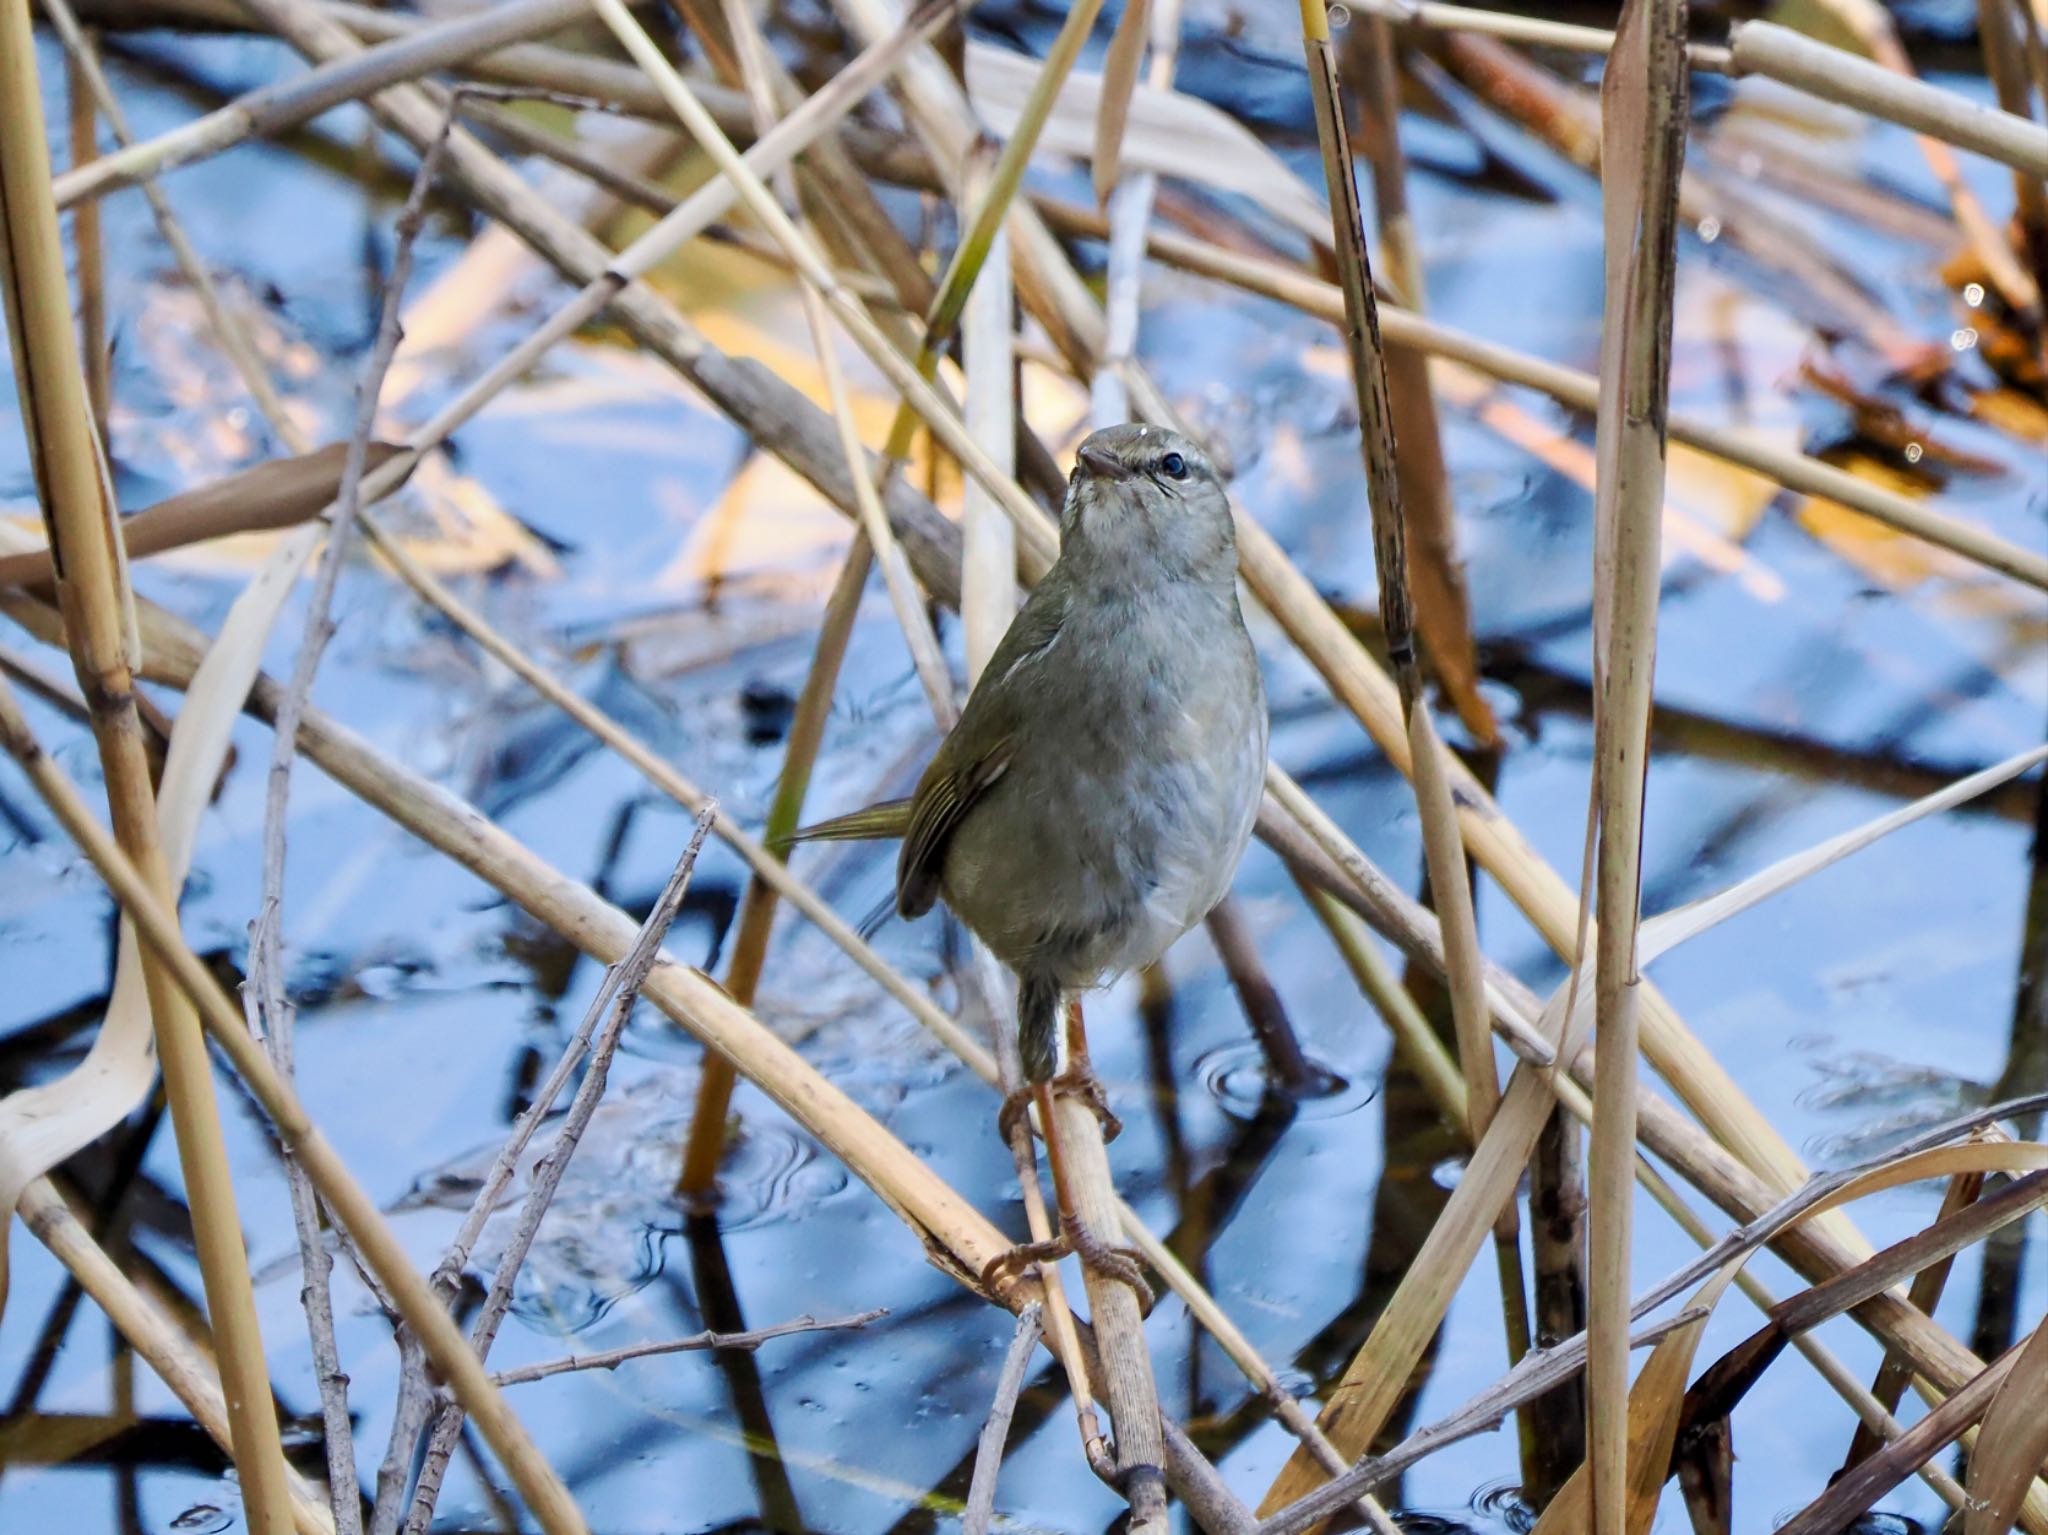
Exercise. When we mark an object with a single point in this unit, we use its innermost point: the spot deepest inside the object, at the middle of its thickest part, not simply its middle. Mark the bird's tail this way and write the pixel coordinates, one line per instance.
(877, 823)
(1038, 1026)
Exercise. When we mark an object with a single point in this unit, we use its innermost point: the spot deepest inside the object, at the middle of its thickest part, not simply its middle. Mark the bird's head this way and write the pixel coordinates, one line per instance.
(1145, 493)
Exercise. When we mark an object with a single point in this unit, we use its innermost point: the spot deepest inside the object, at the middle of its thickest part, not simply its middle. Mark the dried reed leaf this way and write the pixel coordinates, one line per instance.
(1643, 100)
(1165, 132)
(2012, 1442)
(277, 494)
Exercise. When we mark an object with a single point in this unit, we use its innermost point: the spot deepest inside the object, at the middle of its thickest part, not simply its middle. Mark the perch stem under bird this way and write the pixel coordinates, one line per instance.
(1093, 801)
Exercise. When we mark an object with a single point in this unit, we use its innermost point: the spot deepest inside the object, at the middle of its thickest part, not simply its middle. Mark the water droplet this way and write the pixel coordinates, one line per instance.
(1962, 340)
(1710, 229)
(203, 1519)
(1340, 16)
(1973, 295)
(1914, 452)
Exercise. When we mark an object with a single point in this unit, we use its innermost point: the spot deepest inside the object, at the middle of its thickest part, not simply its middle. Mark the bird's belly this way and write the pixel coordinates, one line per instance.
(1098, 868)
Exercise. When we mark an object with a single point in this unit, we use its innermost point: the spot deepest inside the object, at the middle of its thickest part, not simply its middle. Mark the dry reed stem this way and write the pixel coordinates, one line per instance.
(1119, 82)
(92, 592)
(614, 1003)
(1643, 129)
(156, 924)
(1852, 1495)
(1443, 605)
(995, 1433)
(1925, 1293)
(748, 1341)
(85, 241)
(1443, 848)
(998, 191)
(276, 109)
(1837, 75)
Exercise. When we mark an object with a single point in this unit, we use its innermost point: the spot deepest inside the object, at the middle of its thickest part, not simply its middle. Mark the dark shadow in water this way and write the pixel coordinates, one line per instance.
(2026, 1071)
(718, 1305)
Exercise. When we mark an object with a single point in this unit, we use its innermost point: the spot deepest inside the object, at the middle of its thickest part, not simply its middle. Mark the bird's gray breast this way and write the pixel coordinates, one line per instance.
(1130, 799)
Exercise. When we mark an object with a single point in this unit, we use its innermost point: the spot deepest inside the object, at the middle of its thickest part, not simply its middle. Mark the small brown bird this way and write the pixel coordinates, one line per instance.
(1094, 799)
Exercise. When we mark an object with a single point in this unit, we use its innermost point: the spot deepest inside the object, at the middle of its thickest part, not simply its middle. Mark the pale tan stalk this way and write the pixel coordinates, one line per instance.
(92, 592)
(1642, 120)
(1835, 74)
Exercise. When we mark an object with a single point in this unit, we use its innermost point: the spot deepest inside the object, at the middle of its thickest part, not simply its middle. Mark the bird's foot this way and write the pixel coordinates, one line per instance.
(1125, 1265)
(1011, 1263)
(1016, 1110)
(1079, 1080)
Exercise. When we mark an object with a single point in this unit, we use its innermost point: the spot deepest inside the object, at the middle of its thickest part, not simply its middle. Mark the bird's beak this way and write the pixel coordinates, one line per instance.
(1097, 461)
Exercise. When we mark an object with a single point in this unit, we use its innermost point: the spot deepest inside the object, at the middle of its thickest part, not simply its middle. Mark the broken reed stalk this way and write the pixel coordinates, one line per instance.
(92, 591)
(1643, 128)
(705, 1146)
(156, 924)
(1443, 846)
(616, 998)
(1837, 75)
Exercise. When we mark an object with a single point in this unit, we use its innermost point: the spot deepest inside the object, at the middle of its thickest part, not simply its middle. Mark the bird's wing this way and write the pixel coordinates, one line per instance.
(978, 750)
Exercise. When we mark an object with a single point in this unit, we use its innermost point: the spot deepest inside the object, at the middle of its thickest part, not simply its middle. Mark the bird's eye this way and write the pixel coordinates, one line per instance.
(1174, 466)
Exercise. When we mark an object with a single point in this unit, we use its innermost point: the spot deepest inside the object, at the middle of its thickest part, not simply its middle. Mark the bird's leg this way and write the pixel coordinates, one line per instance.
(1079, 1077)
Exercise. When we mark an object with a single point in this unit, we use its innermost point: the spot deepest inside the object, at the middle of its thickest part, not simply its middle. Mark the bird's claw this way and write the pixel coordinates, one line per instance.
(1016, 1110)
(1080, 1081)
(1125, 1265)
(1011, 1263)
